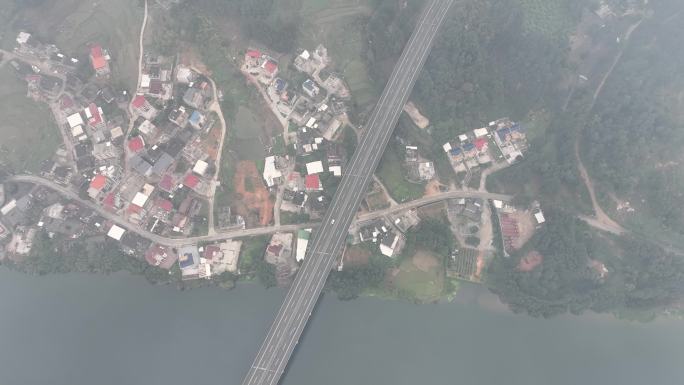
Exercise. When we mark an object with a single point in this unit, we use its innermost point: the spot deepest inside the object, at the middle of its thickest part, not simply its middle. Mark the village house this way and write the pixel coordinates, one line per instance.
(99, 58)
(143, 108)
(271, 174)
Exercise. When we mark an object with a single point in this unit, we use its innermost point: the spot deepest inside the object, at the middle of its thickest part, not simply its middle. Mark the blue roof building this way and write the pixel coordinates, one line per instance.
(279, 85)
(186, 260)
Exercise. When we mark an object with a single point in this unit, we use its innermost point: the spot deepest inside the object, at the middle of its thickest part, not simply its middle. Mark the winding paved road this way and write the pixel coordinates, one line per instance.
(219, 236)
(283, 336)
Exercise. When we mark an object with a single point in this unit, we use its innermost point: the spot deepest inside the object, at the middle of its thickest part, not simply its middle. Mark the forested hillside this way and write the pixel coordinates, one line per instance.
(638, 276)
(633, 138)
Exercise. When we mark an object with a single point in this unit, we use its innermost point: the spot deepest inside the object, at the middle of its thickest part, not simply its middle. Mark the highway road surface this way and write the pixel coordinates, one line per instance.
(283, 336)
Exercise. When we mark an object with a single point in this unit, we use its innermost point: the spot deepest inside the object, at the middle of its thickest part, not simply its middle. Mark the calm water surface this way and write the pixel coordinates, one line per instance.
(119, 330)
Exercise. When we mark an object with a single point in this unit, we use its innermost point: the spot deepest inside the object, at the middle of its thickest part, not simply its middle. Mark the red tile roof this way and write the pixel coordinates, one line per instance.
(191, 180)
(165, 205)
(270, 66)
(312, 182)
(134, 209)
(108, 201)
(97, 57)
(155, 87)
(96, 118)
(153, 252)
(253, 53)
(98, 182)
(166, 183)
(66, 101)
(139, 101)
(211, 251)
(480, 143)
(136, 144)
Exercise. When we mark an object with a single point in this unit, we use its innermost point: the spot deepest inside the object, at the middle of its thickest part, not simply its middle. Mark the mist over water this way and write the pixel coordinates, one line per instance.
(91, 329)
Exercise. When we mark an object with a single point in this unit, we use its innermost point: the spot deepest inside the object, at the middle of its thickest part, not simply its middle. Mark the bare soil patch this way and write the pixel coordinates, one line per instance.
(530, 261)
(432, 188)
(425, 261)
(480, 265)
(526, 228)
(418, 119)
(254, 201)
(434, 210)
(356, 256)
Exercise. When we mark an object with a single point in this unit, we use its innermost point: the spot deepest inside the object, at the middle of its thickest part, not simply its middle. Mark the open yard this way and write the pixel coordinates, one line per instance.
(247, 136)
(420, 277)
(391, 173)
(28, 133)
(252, 199)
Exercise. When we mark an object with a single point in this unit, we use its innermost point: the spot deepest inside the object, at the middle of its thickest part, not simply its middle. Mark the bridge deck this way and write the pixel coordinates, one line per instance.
(275, 352)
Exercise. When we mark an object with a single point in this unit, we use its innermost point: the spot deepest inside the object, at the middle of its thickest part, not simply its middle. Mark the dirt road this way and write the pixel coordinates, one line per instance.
(601, 220)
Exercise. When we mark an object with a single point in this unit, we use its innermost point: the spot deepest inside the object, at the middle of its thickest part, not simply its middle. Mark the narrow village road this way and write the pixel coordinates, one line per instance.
(131, 113)
(215, 107)
(71, 194)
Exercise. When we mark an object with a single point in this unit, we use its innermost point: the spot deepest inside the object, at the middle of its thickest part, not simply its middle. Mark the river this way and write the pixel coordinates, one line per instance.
(81, 329)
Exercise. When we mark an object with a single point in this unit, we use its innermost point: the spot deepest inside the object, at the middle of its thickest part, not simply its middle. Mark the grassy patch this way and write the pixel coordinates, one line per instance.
(549, 18)
(391, 173)
(247, 131)
(29, 135)
(252, 253)
(288, 218)
(423, 284)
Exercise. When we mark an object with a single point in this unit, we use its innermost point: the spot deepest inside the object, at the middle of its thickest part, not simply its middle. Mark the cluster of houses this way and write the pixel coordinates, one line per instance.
(197, 262)
(168, 167)
(387, 233)
(30, 210)
(148, 157)
(316, 107)
(501, 140)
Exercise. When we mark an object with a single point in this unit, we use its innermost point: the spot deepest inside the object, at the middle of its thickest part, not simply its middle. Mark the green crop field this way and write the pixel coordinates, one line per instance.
(391, 173)
(28, 133)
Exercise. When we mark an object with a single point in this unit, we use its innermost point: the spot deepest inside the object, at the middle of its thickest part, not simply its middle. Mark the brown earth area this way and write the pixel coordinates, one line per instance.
(526, 227)
(255, 199)
(432, 188)
(212, 143)
(425, 261)
(530, 261)
(479, 265)
(434, 210)
(188, 57)
(418, 119)
(356, 256)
